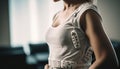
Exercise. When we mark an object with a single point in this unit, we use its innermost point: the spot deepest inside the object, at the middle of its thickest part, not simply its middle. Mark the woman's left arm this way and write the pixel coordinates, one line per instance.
(100, 43)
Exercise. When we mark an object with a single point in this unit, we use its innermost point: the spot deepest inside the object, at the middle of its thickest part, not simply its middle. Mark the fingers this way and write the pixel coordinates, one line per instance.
(46, 66)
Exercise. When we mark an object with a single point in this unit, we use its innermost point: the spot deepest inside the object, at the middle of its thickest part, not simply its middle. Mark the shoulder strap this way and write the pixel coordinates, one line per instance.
(55, 15)
(85, 7)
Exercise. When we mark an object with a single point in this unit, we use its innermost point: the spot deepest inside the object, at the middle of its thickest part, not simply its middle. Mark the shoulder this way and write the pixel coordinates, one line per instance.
(90, 10)
(93, 18)
(90, 16)
(93, 23)
(93, 15)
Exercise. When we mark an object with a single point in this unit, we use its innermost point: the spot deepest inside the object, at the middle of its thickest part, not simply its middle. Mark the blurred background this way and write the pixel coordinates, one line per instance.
(23, 25)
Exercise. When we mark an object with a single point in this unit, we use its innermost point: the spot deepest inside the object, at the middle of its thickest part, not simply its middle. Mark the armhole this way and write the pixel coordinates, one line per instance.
(83, 12)
(55, 16)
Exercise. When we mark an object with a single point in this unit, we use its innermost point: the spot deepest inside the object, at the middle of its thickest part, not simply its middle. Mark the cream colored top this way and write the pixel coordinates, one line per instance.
(67, 42)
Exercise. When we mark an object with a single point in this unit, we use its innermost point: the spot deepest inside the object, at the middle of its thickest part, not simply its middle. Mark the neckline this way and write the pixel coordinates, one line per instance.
(67, 17)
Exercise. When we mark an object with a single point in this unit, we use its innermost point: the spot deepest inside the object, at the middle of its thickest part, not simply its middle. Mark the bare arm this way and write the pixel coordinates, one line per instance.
(102, 47)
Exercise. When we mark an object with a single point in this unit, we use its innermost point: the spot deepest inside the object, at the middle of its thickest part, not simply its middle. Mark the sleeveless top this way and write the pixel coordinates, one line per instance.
(68, 42)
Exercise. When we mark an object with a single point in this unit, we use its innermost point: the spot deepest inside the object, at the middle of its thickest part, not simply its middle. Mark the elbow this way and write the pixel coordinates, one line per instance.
(107, 62)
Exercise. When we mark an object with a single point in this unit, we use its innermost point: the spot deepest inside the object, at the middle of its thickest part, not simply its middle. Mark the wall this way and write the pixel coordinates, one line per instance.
(4, 23)
(110, 12)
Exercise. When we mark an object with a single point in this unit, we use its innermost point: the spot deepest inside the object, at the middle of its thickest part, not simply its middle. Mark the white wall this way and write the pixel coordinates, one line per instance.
(110, 11)
(29, 20)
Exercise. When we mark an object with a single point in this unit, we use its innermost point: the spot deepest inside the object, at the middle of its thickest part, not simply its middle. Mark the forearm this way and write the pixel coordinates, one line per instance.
(107, 63)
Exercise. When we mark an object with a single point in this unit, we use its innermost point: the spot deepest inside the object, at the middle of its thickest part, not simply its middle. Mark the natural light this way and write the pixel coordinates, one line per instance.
(29, 20)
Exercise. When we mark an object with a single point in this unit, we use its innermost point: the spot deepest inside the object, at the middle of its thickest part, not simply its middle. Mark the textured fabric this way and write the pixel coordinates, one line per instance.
(68, 43)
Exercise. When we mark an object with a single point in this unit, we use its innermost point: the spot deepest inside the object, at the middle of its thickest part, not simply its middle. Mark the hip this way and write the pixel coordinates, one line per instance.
(68, 65)
(69, 68)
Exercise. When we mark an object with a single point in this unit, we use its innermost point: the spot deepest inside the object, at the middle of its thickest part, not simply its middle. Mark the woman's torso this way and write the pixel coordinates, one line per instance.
(66, 48)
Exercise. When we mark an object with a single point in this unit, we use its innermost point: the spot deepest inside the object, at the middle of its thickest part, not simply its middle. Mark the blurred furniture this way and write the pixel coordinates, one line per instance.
(12, 57)
(116, 45)
(39, 54)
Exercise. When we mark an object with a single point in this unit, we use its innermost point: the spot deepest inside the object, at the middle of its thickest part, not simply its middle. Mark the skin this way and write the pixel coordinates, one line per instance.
(103, 50)
(91, 24)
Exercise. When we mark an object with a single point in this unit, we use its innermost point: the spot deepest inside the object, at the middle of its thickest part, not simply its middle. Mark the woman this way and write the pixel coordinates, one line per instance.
(75, 34)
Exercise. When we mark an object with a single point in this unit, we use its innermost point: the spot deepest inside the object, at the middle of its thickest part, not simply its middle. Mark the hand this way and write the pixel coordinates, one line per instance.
(46, 66)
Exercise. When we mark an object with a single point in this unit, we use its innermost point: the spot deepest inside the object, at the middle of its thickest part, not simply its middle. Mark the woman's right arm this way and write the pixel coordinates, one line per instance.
(102, 47)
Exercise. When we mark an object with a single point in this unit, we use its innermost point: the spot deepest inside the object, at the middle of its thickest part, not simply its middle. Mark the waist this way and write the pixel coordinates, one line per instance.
(68, 64)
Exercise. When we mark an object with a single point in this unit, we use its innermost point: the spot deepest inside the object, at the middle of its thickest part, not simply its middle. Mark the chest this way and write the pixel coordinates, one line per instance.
(61, 18)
